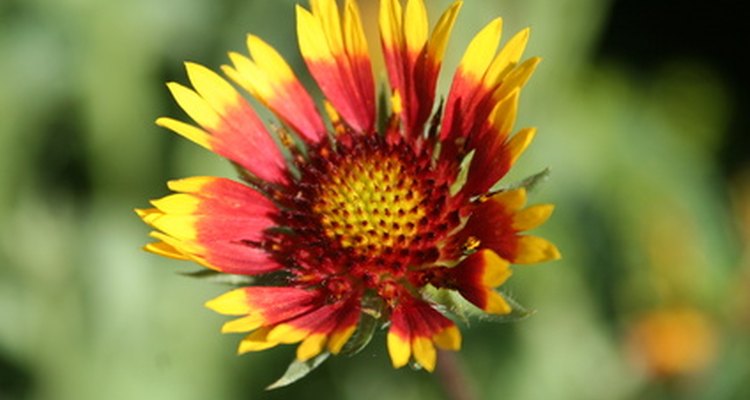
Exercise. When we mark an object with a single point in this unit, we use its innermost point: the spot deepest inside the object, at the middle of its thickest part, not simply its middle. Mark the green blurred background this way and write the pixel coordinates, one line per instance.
(642, 117)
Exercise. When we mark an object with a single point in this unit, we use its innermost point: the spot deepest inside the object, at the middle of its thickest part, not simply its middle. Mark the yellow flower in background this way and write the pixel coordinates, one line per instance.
(673, 341)
(353, 219)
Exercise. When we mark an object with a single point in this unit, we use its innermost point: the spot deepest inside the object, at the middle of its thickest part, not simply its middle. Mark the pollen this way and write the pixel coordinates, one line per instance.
(370, 204)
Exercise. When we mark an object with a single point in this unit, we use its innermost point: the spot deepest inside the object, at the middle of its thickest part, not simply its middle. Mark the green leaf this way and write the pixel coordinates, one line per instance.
(298, 370)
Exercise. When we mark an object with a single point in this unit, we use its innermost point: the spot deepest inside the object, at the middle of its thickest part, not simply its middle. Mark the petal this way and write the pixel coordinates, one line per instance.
(413, 60)
(256, 341)
(415, 329)
(424, 352)
(492, 155)
(270, 79)
(449, 338)
(263, 306)
(234, 302)
(230, 127)
(415, 25)
(343, 74)
(320, 320)
(519, 142)
(532, 217)
(165, 250)
(399, 339)
(480, 52)
(245, 324)
(533, 249)
(491, 223)
(216, 222)
(311, 346)
(496, 304)
(483, 99)
(440, 35)
(511, 200)
(476, 276)
(507, 58)
(348, 320)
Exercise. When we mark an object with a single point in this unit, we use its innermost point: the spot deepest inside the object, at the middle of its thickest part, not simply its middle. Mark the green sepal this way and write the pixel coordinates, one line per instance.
(384, 109)
(463, 174)
(270, 279)
(220, 277)
(298, 370)
(453, 302)
(529, 183)
(518, 312)
(369, 321)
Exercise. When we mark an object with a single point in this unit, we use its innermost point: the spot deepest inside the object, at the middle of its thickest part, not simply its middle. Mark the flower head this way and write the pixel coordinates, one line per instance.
(348, 219)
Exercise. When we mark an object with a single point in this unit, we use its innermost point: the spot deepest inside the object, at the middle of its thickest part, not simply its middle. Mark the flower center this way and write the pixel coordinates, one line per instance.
(367, 210)
(370, 204)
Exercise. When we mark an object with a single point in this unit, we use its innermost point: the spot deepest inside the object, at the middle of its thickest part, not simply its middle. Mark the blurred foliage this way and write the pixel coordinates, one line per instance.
(643, 216)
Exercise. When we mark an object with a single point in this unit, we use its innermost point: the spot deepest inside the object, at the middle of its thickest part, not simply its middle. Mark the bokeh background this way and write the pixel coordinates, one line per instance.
(642, 114)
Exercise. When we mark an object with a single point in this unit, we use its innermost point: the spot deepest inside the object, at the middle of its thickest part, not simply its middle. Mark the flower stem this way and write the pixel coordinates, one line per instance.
(453, 378)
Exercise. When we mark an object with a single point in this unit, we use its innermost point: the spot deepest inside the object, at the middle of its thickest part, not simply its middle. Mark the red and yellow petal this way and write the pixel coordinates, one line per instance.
(285, 315)
(475, 278)
(497, 222)
(270, 79)
(228, 125)
(213, 221)
(481, 103)
(336, 55)
(416, 328)
(413, 59)
(533, 249)
(268, 304)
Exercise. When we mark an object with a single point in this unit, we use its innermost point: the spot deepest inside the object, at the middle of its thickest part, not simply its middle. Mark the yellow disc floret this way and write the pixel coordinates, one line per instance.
(370, 204)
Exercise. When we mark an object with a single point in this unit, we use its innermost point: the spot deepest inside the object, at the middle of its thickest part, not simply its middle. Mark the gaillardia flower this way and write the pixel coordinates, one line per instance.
(372, 213)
